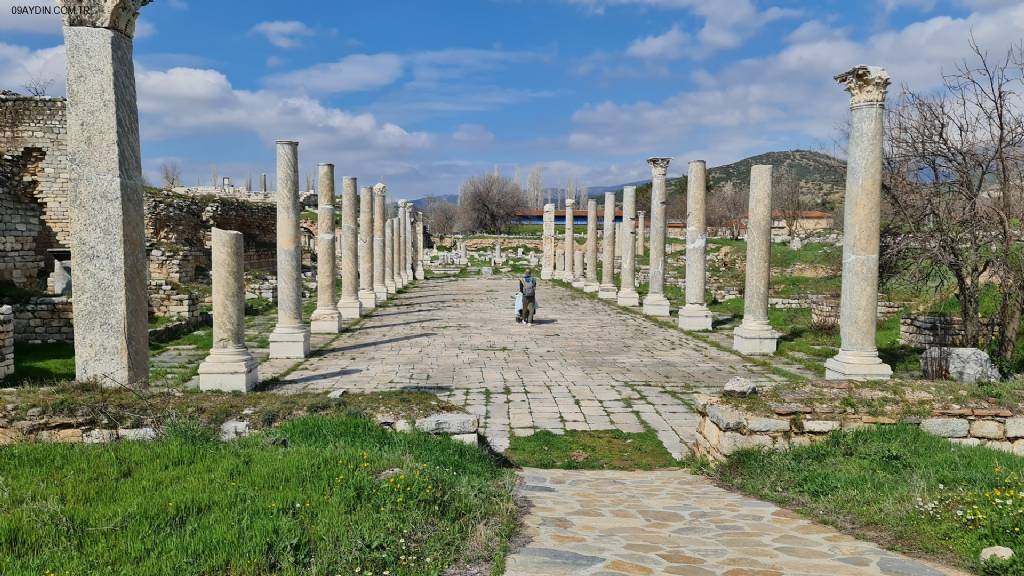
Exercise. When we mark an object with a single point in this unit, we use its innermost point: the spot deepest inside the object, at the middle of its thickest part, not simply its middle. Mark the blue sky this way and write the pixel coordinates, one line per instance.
(424, 93)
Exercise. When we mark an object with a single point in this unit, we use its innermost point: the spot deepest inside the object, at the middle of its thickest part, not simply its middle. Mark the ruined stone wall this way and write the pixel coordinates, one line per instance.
(20, 225)
(44, 320)
(927, 331)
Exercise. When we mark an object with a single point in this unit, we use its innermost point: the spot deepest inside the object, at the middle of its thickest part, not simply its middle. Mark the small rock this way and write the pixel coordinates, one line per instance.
(136, 433)
(403, 426)
(739, 386)
(337, 393)
(248, 412)
(1000, 552)
(471, 439)
(34, 412)
(233, 429)
(389, 473)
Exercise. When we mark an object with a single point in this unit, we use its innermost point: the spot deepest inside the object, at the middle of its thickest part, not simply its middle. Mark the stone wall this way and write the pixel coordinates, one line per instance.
(168, 302)
(928, 331)
(825, 311)
(6, 341)
(20, 225)
(44, 320)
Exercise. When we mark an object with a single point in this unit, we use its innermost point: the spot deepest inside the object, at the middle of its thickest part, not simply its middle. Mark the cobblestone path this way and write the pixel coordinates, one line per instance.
(584, 366)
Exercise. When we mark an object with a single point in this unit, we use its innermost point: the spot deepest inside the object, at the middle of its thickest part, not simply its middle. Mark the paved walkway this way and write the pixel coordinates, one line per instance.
(671, 522)
(584, 366)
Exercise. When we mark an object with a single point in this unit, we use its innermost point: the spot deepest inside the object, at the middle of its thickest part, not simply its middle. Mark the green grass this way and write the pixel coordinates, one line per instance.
(590, 450)
(42, 363)
(869, 481)
(188, 505)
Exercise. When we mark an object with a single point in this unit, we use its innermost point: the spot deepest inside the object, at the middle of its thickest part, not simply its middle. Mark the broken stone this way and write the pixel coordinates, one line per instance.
(233, 429)
(449, 423)
(739, 386)
(967, 365)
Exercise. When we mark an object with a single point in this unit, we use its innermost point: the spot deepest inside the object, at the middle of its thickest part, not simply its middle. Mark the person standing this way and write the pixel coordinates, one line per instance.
(528, 288)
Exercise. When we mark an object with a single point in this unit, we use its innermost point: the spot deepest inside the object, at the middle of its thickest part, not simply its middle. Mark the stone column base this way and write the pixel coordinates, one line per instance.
(350, 309)
(367, 299)
(579, 283)
(325, 322)
(546, 274)
(390, 286)
(754, 340)
(380, 293)
(657, 305)
(235, 372)
(855, 365)
(695, 317)
(628, 298)
(289, 343)
(605, 292)
(420, 274)
(590, 287)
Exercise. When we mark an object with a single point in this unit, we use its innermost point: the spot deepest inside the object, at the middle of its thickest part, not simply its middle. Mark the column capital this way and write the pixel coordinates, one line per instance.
(659, 165)
(118, 15)
(380, 189)
(401, 203)
(866, 84)
(569, 202)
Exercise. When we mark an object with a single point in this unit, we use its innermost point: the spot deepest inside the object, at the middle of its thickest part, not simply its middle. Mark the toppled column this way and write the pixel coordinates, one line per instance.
(229, 366)
(695, 314)
(641, 231)
(389, 256)
(547, 270)
(655, 303)
(590, 283)
(366, 295)
(858, 356)
(290, 339)
(755, 335)
(420, 231)
(570, 242)
(108, 243)
(627, 295)
(325, 319)
(380, 289)
(349, 305)
(606, 291)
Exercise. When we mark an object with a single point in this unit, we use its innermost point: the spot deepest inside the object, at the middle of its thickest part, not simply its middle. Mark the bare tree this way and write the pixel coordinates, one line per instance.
(170, 173)
(38, 86)
(727, 209)
(489, 204)
(535, 188)
(442, 217)
(787, 199)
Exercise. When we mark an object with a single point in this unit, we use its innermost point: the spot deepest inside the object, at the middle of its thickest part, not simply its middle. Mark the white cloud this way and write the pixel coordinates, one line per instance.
(28, 22)
(669, 45)
(20, 65)
(472, 134)
(144, 29)
(353, 73)
(283, 33)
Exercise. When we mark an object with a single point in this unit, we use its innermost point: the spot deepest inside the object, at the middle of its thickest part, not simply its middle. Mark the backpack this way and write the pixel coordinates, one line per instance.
(529, 287)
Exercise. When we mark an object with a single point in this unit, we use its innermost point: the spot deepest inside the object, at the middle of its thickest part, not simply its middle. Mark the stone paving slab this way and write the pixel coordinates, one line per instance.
(600, 523)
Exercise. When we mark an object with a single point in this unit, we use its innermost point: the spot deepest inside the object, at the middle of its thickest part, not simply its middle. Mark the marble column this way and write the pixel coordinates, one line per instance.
(578, 266)
(290, 339)
(547, 270)
(641, 232)
(464, 252)
(263, 183)
(755, 335)
(410, 247)
(380, 288)
(590, 283)
(421, 273)
(229, 366)
(397, 237)
(367, 297)
(570, 242)
(108, 242)
(559, 262)
(325, 319)
(627, 295)
(400, 276)
(606, 290)
(389, 256)
(349, 305)
(695, 314)
(655, 303)
(858, 356)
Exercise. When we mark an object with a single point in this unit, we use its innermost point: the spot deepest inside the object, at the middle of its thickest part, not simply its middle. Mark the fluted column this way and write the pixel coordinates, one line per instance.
(367, 297)
(380, 288)
(755, 335)
(570, 242)
(858, 356)
(695, 314)
(641, 232)
(229, 366)
(655, 303)
(606, 290)
(290, 338)
(547, 270)
(421, 273)
(349, 305)
(325, 319)
(389, 256)
(627, 278)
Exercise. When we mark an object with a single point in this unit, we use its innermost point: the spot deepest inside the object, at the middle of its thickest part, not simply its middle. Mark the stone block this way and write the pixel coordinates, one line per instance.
(988, 429)
(733, 442)
(449, 423)
(767, 425)
(967, 365)
(820, 426)
(1015, 427)
(726, 418)
(946, 427)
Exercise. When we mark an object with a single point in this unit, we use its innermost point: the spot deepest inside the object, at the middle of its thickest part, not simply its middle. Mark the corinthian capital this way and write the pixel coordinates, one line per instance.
(380, 189)
(119, 15)
(659, 166)
(866, 84)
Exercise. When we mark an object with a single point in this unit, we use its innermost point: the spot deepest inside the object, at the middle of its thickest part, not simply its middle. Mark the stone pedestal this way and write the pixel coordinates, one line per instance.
(655, 303)
(349, 305)
(570, 242)
(590, 278)
(229, 366)
(380, 289)
(606, 290)
(627, 278)
(290, 339)
(108, 244)
(858, 356)
(325, 319)
(389, 256)
(367, 297)
(547, 269)
(695, 314)
(755, 334)
(578, 264)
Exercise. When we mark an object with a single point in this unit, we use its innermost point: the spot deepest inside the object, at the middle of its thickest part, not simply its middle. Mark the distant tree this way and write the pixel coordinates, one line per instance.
(489, 204)
(38, 86)
(170, 173)
(535, 188)
(727, 209)
(442, 217)
(787, 199)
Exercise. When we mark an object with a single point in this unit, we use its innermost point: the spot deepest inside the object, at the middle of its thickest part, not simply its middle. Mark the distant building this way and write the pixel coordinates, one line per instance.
(579, 216)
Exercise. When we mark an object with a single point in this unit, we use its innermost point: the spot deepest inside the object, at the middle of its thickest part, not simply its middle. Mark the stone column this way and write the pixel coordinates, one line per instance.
(409, 244)
(627, 278)
(858, 357)
(263, 183)
(547, 269)
(606, 291)
(755, 334)
(380, 288)
(641, 231)
(367, 297)
(290, 339)
(389, 256)
(618, 239)
(559, 261)
(402, 238)
(325, 319)
(229, 365)
(349, 305)
(108, 243)
(570, 242)
(420, 232)
(655, 303)
(497, 252)
(590, 284)
(397, 237)
(578, 265)
(464, 252)
(695, 314)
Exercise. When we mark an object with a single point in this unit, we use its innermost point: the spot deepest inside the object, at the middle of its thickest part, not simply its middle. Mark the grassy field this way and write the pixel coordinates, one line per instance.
(900, 487)
(591, 450)
(320, 495)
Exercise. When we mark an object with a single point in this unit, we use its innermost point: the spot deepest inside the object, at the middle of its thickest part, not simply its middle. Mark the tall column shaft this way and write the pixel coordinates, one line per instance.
(325, 319)
(396, 222)
(590, 283)
(229, 365)
(607, 288)
(402, 238)
(755, 335)
(655, 303)
(389, 256)
(290, 339)
(421, 273)
(641, 231)
(380, 288)
(409, 243)
(367, 297)
(349, 305)
(627, 288)
(695, 314)
(547, 269)
(570, 242)
(858, 356)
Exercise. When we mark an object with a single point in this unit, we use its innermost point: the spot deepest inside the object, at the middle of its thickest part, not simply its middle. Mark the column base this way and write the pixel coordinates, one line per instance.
(566, 277)
(754, 340)
(591, 287)
(695, 317)
(381, 293)
(657, 305)
(420, 273)
(579, 283)
(289, 343)
(350, 309)
(367, 299)
(628, 298)
(390, 286)
(237, 371)
(855, 365)
(546, 274)
(606, 292)
(325, 321)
